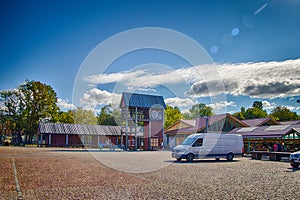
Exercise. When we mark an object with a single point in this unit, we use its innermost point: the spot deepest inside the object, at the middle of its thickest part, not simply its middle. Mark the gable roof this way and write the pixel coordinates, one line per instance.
(181, 124)
(182, 127)
(142, 100)
(78, 129)
(261, 122)
(189, 122)
(200, 124)
(215, 118)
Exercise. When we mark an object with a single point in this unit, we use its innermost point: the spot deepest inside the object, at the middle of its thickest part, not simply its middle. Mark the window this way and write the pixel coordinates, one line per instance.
(188, 141)
(198, 143)
(154, 142)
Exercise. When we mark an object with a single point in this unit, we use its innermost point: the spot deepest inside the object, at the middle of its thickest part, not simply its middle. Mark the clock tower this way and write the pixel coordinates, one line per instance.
(144, 120)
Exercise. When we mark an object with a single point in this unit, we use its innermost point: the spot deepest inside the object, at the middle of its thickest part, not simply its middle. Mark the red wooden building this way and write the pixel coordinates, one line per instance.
(146, 113)
(78, 135)
(143, 117)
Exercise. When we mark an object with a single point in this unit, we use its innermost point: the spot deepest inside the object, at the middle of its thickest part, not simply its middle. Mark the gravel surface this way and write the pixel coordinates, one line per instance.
(48, 173)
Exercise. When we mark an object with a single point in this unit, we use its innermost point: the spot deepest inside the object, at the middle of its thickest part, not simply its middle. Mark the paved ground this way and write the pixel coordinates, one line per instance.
(48, 173)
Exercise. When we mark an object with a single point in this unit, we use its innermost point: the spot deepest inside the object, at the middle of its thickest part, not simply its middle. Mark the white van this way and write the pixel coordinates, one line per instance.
(209, 145)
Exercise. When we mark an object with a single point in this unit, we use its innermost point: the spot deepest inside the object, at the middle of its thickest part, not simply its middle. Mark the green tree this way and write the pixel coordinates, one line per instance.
(282, 113)
(66, 117)
(40, 103)
(171, 115)
(257, 104)
(240, 115)
(29, 103)
(254, 113)
(201, 110)
(11, 111)
(106, 116)
(83, 116)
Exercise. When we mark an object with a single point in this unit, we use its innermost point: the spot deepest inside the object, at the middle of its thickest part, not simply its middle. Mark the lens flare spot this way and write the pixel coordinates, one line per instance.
(248, 21)
(235, 31)
(214, 49)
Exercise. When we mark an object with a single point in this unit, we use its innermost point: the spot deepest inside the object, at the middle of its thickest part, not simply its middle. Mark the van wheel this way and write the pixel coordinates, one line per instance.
(230, 156)
(294, 165)
(189, 157)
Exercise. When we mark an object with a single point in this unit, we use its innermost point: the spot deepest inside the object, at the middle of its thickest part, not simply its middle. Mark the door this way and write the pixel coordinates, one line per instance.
(197, 148)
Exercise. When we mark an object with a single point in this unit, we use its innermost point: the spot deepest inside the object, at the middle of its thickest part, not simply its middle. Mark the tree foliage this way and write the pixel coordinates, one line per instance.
(83, 116)
(257, 104)
(40, 101)
(66, 117)
(106, 116)
(282, 113)
(256, 111)
(240, 115)
(201, 110)
(29, 103)
(12, 115)
(171, 115)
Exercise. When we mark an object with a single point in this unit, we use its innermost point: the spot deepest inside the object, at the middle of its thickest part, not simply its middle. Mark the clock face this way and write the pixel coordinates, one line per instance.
(156, 115)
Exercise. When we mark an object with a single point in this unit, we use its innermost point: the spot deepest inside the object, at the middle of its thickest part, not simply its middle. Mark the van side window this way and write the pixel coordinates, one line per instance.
(198, 143)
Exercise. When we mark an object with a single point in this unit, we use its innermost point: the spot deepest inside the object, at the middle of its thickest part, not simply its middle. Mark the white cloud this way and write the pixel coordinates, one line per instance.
(293, 108)
(268, 105)
(139, 78)
(141, 89)
(95, 97)
(220, 106)
(256, 80)
(260, 80)
(65, 105)
(114, 77)
(186, 102)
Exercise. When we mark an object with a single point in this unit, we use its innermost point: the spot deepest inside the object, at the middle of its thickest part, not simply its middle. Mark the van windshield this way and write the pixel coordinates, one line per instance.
(188, 141)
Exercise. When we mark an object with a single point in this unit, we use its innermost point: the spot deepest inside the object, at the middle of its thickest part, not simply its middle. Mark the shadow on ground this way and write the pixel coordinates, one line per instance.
(291, 169)
(201, 161)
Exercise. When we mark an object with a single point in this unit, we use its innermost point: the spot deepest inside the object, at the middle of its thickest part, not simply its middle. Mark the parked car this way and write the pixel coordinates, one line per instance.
(7, 141)
(209, 145)
(295, 159)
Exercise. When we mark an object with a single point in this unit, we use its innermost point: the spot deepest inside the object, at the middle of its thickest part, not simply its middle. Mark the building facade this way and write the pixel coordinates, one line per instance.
(146, 112)
(78, 135)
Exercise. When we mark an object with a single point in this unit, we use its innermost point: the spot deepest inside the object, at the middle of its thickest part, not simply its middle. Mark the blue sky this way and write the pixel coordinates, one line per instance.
(255, 46)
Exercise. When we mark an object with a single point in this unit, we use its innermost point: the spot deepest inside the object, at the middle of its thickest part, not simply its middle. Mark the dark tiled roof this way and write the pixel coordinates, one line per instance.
(182, 130)
(291, 122)
(260, 121)
(266, 131)
(79, 129)
(142, 100)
